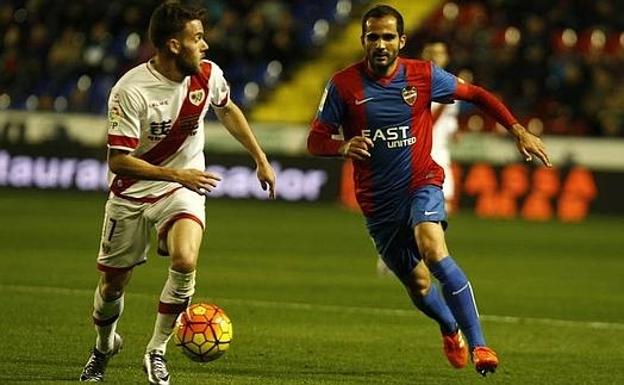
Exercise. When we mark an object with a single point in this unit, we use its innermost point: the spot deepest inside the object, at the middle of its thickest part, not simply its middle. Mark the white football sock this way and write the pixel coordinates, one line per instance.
(175, 297)
(105, 318)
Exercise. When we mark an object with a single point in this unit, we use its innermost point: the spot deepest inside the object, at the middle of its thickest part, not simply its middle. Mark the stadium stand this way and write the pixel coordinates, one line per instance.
(559, 64)
(65, 56)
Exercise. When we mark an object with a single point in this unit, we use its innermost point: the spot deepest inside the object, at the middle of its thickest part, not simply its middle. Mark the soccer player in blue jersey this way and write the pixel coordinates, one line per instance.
(382, 105)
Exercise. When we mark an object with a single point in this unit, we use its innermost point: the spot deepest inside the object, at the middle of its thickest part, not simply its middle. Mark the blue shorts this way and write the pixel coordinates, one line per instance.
(394, 239)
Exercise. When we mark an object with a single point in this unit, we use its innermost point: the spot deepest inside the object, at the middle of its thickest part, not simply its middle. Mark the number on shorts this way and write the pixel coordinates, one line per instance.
(113, 223)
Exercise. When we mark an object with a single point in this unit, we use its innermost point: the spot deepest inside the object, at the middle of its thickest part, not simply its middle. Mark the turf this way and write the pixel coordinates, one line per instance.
(299, 284)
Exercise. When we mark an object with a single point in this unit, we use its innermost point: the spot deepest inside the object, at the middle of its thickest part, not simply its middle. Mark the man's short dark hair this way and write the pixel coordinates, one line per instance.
(169, 19)
(382, 10)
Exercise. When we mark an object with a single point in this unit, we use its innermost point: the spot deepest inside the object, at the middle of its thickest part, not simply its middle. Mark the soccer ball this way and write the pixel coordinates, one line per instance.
(203, 332)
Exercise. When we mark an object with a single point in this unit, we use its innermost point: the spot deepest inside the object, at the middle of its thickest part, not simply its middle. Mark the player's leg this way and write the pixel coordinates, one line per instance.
(395, 243)
(455, 286)
(426, 298)
(123, 245)
(428, 216)
(183, 242)
(108, 305)
(180, 223)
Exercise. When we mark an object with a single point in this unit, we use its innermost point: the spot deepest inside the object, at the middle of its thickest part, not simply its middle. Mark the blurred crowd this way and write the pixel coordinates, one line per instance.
(65, 55)
(559, 64)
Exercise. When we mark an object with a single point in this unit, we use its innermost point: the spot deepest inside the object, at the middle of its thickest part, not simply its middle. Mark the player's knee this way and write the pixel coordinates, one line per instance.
(431, 249)
(184, 258)
(112, 285)
(430, 241)
(111, 291)
(419, 285)
(184, 263)
(433, 253)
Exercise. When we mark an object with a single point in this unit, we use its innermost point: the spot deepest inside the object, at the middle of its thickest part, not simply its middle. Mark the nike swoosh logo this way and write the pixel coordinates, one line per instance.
(427, 213)
(359, 102)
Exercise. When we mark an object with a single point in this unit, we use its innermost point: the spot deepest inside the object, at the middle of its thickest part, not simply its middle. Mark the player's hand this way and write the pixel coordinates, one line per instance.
(266, 176)
(201, 182)
(356, 148)
(529, 144)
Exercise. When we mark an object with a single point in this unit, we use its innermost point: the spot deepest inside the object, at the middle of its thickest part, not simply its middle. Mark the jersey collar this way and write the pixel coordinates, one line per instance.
(161, 77)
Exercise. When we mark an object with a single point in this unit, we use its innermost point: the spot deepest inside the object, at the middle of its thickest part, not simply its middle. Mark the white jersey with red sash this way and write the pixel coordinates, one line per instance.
(162, 122)
(445, 125)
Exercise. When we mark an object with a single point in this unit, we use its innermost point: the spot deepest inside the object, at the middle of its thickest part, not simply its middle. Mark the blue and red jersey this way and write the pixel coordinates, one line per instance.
(395, 113)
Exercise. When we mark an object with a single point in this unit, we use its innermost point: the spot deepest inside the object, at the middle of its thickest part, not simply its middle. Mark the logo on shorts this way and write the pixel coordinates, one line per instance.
(197, 97)
(106, 248)
(410, 94)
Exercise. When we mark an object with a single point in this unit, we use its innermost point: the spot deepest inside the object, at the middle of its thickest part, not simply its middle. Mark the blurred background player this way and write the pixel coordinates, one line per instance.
(382, 105)
(155, 153)
(445, 124)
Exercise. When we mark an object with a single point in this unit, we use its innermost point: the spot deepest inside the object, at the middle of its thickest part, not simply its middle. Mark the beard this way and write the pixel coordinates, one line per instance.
(186, 65)
(382, 68)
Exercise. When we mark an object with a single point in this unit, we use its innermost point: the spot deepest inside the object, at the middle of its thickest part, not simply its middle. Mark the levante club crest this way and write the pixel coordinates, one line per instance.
(197, 96)
(409, 94)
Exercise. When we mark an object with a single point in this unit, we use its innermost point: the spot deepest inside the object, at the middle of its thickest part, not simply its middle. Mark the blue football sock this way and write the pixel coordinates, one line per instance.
(458, 294)
(434, 307)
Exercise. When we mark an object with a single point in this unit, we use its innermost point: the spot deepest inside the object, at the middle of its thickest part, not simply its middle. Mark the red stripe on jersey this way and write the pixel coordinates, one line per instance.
(188, 117)
(350, 84)
(424, 170)
(124, 141)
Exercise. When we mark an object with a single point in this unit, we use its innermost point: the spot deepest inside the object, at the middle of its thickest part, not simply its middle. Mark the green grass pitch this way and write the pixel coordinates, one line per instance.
(299, 283)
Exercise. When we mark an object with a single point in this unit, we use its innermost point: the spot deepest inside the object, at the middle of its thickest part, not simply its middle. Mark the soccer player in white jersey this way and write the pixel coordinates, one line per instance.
(445, 124)
(158, 178)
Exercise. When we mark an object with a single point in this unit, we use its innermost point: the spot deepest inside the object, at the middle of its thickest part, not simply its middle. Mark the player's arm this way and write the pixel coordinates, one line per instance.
(122, 163)
(235, 122)
(321, 137)
(527, 143)
(322, 143)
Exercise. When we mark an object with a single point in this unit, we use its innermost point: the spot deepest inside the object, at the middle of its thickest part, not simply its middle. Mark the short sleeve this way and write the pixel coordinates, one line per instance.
(331, 108)
(443, 85)
(218, 87)
(124, 126)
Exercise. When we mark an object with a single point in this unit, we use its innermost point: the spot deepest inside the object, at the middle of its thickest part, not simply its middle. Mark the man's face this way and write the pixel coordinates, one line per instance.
(192, 48)
(437, 53)
(382, 43)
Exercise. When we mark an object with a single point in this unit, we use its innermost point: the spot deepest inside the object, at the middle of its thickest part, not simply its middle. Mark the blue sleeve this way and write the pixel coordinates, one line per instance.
(331, 109)
(443, 85)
